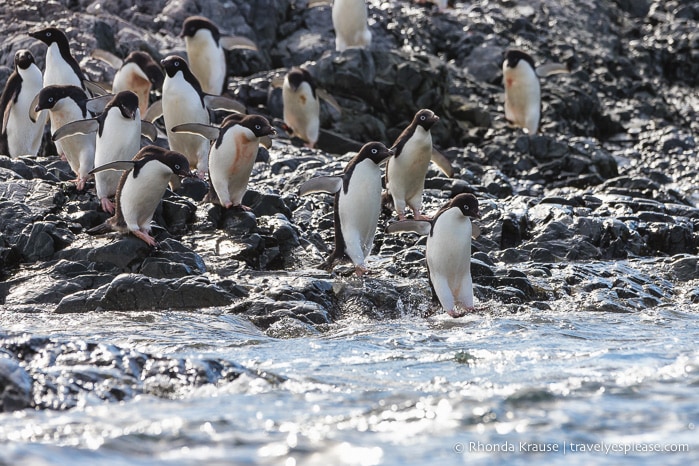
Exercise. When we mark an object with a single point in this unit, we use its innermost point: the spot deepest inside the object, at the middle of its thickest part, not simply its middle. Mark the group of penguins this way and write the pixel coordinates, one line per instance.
(99, 134)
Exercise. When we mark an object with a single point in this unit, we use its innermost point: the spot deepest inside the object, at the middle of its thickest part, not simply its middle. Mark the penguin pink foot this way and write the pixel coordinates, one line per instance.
(107, 205)
(360, 270)
(460, 311)
(148, 239)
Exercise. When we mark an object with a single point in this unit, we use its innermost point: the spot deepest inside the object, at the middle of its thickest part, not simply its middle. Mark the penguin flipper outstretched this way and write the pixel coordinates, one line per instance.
(96, 105)
(237, 42)
(442, 163)
(323, 94)
(321, 184)
(149, 130)
(75, 127)
(154, 112)
(107, 57)
(217, 102)
(33, 114)
(421, 227)
(118, 165)
(549, 69)
(205, 131)
(94, 88)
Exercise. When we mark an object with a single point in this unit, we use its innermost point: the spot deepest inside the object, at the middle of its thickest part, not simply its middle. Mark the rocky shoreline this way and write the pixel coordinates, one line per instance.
(598, 212)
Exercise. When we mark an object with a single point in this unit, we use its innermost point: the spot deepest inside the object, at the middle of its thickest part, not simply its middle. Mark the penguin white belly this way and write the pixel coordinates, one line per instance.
(23, 135)
(120, 140)
(302, 112)
(359, 210)
(131, 77)
(139, 197)
(57, 70)
(207, 61)
(182, 104)
(406, 173)
(449, 259)
(522, 97)
(230, 165)
(78, 149)
(350, 23)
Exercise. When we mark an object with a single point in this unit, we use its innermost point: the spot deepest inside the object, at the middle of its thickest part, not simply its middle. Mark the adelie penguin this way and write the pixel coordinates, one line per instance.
(20, 135)
(206, 52)
(350, 22)
(184, 101)
(138, 73)
(357, 204)
(522, 88)
(140, 190)
(119, 128)
(67, 104)
(301, 105)
(406, 170)
(448, 251)
(232, 155)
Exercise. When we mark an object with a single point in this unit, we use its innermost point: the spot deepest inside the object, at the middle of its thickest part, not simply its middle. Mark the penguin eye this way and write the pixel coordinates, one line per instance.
(50, 99)
(176, 63)
(48, 34)
(422, 117)
(177, 166)
(374, 151)
(258, 127)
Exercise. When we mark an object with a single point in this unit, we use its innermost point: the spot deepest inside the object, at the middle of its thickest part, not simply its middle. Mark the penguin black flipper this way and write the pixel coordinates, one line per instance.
(154, 112)
(9, 96)
(108, 58)
(442, 163)
(94, 88)
(149, 130)
(550, 69)
(237, 42)
(205, 131)
(217, 102)
(75, 127)
(118, 165)
(329, 99)
(96, 105)
(421, 227)
(321, 184)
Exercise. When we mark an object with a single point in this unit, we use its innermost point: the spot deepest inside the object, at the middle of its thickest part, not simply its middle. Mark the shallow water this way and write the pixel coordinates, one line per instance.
(406, 391)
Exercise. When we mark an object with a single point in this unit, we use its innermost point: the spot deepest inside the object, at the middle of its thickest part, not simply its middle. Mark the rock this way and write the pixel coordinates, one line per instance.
(15, 386)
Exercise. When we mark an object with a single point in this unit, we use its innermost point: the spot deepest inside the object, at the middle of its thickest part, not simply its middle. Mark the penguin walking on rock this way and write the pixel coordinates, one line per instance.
(67, 104)
(448, 251)
(406, 170)
(357, 204)
(206, 52)
(140, 190)
(350, 22)
(20, 135)
(119, 128)
(522, 88)
(301, 105)
(138, 73)
(184, 101)
(232, 155)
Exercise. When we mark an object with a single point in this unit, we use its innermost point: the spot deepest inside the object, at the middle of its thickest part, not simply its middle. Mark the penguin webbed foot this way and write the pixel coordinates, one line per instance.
(145, 237)
(460, 311)
(361, 270)
(107, 205)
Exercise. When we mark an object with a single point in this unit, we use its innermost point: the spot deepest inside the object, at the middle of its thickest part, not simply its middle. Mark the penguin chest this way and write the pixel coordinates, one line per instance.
(449, 247)
(23, 135)
(120, 138)
(350, 22)
(207, 61)
(182, 103)
(231, 163)
(359, 207)
(131, 78)
(407, 171)
(301, 111)
(57, 70)
(140, 195)
(522, 95)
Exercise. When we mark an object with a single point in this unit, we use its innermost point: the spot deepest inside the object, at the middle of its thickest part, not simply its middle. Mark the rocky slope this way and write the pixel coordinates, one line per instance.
(598, 211)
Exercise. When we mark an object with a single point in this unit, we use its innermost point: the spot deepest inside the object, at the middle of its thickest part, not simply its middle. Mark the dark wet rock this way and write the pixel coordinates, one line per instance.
(132, 292)
(15, 385)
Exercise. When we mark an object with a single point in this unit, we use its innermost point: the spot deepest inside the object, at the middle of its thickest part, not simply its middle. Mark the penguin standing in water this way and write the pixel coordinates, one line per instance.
(232, 155)
(119, 128)
(448, 251)
(206, 52)
(184, 101)
(357, 204)
(522, 88)
(20, 135)
(138, 73)
(406, 170)
(140, 190)
(350, 22)
(301, 105)
(67, 104)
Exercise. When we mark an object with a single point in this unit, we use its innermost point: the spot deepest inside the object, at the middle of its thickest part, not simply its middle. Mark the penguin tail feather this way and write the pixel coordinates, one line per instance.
(100, 229)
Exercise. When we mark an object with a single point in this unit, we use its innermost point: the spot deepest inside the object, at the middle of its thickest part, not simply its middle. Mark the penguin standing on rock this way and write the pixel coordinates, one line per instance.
(67, 104)
(232, 155)
(138, 73)
(350, 22)
(20, 135)
(406, 170)
(522, 88)
(357, 204)
(448, 251)
(119, 128)
(301, 105)
(184, 101)
(140, 190)
(206, 52)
